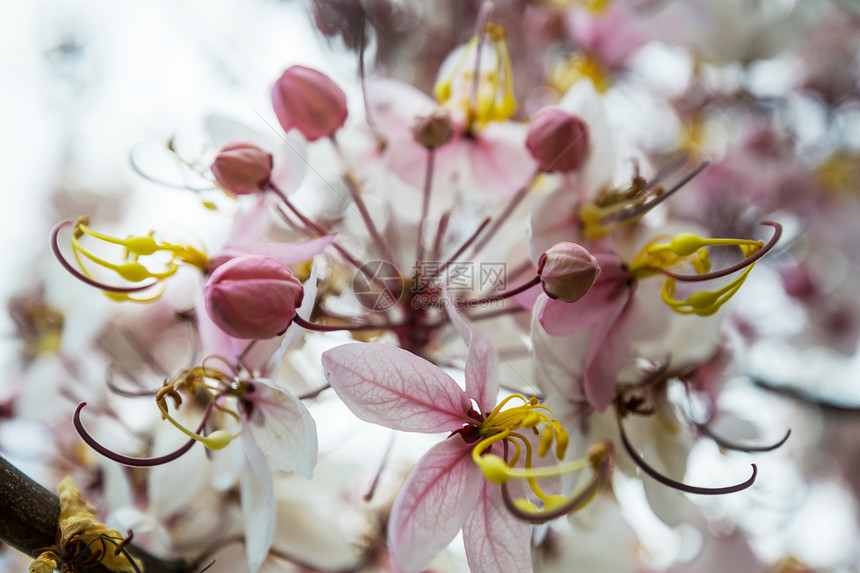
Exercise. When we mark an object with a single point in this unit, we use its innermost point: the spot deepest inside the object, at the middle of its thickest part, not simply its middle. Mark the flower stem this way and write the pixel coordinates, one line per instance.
(355, 193)
(501, 296)
(505, 215)
(425, 205)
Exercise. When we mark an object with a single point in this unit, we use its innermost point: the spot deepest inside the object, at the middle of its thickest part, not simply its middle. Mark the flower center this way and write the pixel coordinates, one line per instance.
(216, 386)
(480, 82)
(507, 426)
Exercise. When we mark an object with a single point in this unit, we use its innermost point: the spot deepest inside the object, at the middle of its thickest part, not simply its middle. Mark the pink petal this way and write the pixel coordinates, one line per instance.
(296, 333)
(433, 504)
(499, 160)
(495, 540)
(602, 301)
(394, 105)
(287, 253)
(258, 504)
(607, 350)
(408, 160)
(554, 218)
(482, 362)
(283, 428)
(394, 388)
(248, 225)
(528, 298)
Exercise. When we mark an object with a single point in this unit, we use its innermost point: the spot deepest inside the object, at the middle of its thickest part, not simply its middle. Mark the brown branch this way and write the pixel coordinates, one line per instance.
(30, 514)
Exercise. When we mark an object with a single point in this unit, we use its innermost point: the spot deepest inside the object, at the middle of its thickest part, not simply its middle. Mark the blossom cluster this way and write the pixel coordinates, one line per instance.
(553, 299)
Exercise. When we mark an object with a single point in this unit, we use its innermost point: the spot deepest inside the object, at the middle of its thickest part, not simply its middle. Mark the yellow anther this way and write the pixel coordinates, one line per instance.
(526, 506)
(554, 502)
(686, 244)
(134, 272)
(494, 468)
(214, 441)
(561, 441)
(141, 246)
(217, 440)
(702, 262)
(703, 302)
(703, 299)
(531, 420)
(545, 443)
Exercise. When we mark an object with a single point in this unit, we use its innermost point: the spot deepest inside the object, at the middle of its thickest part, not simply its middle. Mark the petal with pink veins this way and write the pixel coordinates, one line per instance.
(482, 362)
(495, 540)
(434, 503)
(392, 387)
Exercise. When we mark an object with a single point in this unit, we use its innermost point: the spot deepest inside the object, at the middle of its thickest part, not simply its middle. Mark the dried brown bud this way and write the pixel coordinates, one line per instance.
(433, 130)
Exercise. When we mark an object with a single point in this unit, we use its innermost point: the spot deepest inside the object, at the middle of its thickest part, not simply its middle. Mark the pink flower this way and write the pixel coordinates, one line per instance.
(493, 159)
(605, 312)
(309, 101)
(252, 297)
(445, 492)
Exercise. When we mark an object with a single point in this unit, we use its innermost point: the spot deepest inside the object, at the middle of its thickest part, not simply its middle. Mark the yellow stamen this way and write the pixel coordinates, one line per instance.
(491, 98)
(576, 68)
(217, 440)
(703, 302)
(596, 457)
(691, 249)
(130, 269)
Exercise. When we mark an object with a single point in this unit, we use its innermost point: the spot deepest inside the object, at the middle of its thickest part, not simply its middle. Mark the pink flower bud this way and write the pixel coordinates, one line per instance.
(242, 168)
(309, 101)
(567, 271)
(252, 297)
(558, 140)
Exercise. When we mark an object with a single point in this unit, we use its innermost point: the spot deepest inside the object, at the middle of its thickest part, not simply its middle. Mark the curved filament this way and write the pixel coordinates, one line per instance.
(676, 484)
(134, 462)
(574, 503)
(777, 233)
(55, 247)
(729, 445)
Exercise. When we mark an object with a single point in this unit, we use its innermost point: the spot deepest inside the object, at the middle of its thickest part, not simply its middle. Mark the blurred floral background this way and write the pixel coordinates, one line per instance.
(767, 92)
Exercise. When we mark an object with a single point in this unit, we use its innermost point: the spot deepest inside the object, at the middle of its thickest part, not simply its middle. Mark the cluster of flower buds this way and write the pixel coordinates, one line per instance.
(617, 291)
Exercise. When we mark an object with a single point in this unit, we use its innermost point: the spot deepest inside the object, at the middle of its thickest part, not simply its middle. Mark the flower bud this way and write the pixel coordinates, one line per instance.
(309, 101)
(434, 129)
(252, 297)
(558, 141)
(567, 271)
(242, 168)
